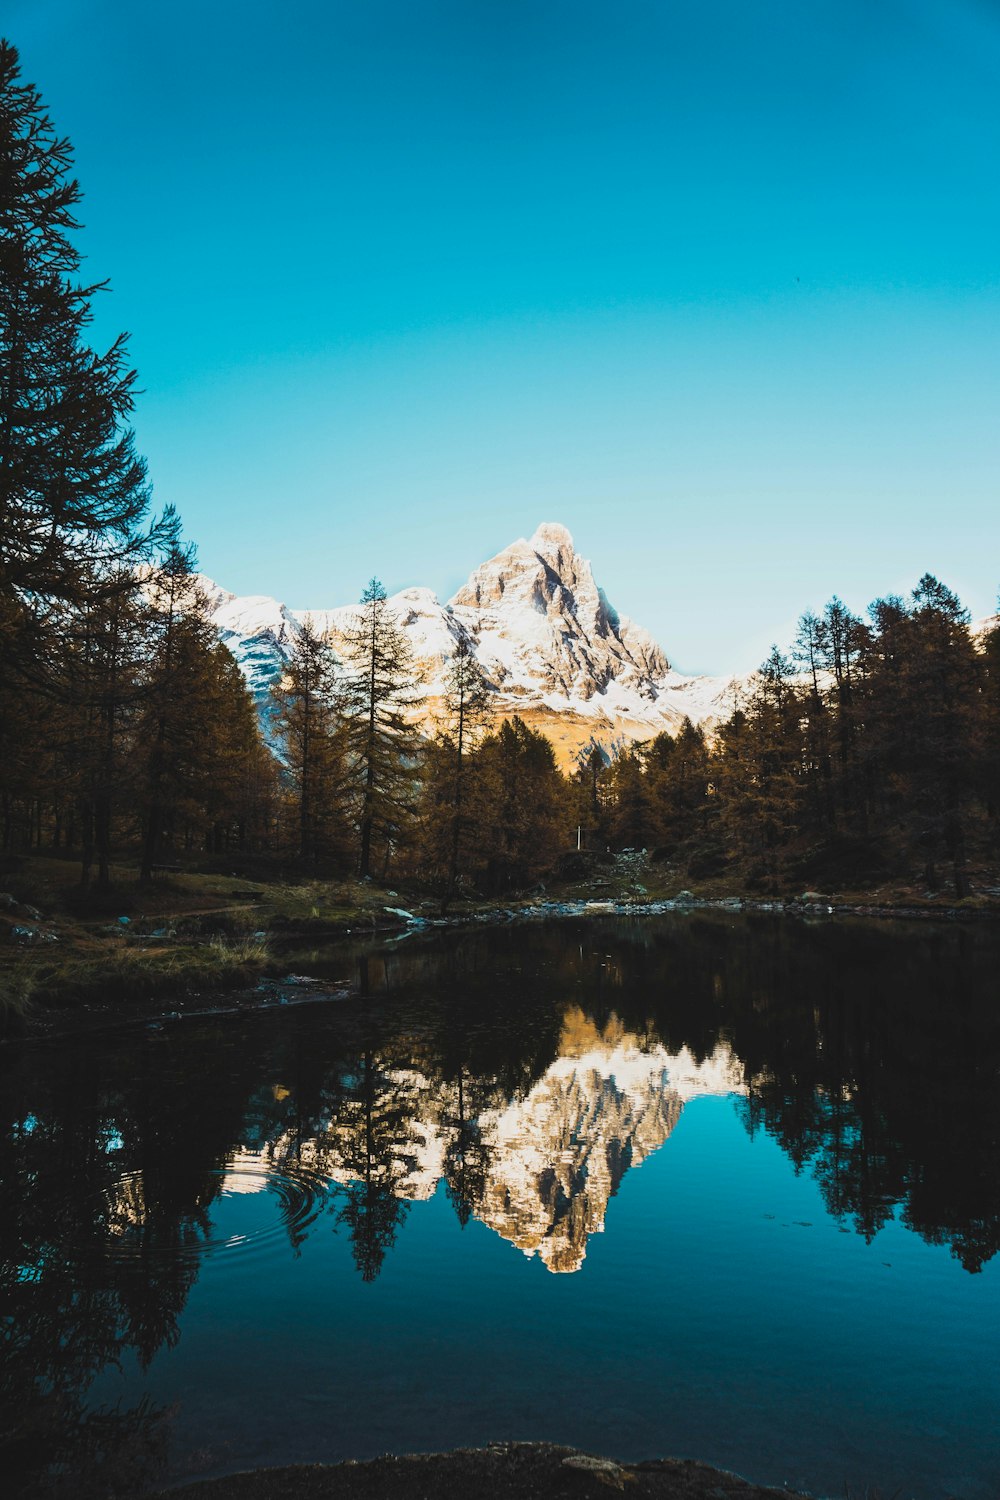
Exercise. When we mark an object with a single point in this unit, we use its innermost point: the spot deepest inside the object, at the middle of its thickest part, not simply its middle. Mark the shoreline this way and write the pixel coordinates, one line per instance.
(507, 1471)
(269, 989)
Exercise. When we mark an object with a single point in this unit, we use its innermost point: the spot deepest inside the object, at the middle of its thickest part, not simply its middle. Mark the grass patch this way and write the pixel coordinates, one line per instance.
(18, 982)
(148, 973)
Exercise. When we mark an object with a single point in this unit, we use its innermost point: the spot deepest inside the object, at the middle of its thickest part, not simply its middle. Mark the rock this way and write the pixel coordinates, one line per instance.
(32, 935)
(602, 1469)
(11, 903)
(684, 896)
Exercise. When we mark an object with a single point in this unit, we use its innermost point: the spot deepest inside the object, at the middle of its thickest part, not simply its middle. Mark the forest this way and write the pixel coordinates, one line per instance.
(869, 752)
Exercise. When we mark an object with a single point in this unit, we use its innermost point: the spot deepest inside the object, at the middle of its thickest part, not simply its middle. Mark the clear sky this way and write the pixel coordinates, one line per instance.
(715, 284)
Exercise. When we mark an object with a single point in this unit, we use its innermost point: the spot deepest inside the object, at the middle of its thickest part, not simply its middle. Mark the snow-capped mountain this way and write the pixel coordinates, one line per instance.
(553, 648)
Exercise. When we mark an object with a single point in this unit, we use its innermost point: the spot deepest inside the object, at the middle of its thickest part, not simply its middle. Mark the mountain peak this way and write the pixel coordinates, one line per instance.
(550, 539)
(546, 637)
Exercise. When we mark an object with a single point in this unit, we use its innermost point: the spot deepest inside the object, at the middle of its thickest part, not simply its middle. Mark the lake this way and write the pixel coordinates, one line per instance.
(725, 1187)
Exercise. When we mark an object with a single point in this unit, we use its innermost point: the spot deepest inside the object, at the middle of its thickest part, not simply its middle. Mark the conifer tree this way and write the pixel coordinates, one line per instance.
(677, 768)
(591, 796)
(170, 726)
(452, 809)
(526, 804)
(938, 699)
(379, 688)
(989, 759)
(633, 824)
(314, 735)
(72, 488)
(241, 794)
(73, 491)
(100, 665)
(757, 769)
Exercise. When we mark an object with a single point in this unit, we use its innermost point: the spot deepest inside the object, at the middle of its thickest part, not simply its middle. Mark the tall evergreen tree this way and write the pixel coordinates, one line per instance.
(101, 663)
(379, 690)
(677, 768)
(939, 680)
(73, 491)
(72, 488)
(590, 783)
(314, 736)
(989, 759)
(450, 778)
(526, 804)
(757, 770)
(633, 824)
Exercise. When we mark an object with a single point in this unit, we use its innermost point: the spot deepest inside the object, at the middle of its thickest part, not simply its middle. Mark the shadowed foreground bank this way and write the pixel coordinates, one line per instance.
(521, 1470)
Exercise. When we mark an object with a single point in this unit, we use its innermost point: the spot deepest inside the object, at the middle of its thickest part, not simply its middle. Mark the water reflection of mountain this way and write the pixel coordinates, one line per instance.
(538, 1168)
(606, 1103)
(525, 1071)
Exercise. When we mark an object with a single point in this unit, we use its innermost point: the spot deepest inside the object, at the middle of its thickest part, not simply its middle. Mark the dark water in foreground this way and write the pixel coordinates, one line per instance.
(718, 1187)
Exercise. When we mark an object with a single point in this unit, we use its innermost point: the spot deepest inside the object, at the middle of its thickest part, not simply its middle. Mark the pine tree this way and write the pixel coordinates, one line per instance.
(100, 666)
(73, 491)
(314, 736)
(170, 727)
(633, 819)
(72, 488)
(241, 793)
(454, 813)
(677, 770)
(757, 770)
(379, 689)
(989, 761)
(590, 797)
(526, 804)
(937, 680)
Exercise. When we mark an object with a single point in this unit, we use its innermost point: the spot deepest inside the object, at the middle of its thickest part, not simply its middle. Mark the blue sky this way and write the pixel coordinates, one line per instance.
(714, 284)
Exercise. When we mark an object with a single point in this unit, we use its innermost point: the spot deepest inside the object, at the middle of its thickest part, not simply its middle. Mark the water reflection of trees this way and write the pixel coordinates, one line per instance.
(106, 1183)
(871, 1051)
(870, 1054)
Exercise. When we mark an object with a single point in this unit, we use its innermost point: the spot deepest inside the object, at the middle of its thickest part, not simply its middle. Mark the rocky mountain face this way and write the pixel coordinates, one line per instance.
(551, 645)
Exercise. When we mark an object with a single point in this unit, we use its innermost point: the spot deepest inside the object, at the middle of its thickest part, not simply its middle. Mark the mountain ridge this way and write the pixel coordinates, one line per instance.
(551, 645)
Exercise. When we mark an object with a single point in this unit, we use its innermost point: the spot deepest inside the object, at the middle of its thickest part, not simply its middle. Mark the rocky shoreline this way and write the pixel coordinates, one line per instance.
(502, 1471)
(275, 990)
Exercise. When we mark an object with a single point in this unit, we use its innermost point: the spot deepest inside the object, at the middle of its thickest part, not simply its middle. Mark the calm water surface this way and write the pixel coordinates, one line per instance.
(718, 1187)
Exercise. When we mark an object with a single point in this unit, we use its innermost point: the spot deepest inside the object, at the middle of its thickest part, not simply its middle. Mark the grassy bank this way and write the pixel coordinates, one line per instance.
(63, 947)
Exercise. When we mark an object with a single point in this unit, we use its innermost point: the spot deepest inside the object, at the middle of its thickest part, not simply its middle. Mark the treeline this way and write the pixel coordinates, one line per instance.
(872, 751)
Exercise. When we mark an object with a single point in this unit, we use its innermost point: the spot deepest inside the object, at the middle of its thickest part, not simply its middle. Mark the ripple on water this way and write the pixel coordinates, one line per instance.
(242, 1207)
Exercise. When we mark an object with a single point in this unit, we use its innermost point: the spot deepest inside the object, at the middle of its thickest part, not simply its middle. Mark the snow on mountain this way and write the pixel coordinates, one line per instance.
(552, 646)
